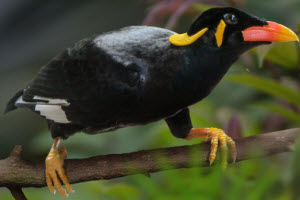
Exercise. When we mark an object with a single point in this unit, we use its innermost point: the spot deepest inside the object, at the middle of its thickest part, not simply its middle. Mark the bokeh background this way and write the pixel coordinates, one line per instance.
(259, 94)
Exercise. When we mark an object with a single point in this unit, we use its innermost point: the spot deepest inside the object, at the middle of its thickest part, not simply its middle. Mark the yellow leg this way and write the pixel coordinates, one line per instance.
(55, 172)
(215, 135)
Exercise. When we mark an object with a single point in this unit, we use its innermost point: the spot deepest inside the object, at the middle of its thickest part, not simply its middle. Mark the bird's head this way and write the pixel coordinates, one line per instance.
(232, 28)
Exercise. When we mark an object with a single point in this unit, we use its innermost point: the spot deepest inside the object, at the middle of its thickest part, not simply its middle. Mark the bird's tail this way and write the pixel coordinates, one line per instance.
(11, 105)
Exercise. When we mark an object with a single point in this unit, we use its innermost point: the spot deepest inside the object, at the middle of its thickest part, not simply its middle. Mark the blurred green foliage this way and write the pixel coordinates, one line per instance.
(267, 85)
(289, 114)
(285, 55)
(263, 99)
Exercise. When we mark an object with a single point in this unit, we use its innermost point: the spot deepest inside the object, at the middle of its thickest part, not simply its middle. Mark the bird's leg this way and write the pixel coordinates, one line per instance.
(55, 173)
(215, 135)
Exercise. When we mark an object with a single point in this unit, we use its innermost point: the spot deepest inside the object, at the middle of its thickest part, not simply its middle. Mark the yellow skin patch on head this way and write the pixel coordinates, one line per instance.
(220, 33)
(184, 39)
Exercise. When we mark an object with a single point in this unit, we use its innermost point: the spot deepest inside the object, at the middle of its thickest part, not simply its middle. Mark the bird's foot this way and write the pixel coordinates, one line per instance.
(55, 172)
(215, 135)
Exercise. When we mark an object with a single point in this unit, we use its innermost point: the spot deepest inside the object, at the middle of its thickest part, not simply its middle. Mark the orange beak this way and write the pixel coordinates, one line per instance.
(272, 32)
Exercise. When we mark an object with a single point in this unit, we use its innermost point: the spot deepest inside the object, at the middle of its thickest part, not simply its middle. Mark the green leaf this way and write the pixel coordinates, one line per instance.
(268, 86)
(203, 7)
(284, 54)
(295, 117)
(261, 52)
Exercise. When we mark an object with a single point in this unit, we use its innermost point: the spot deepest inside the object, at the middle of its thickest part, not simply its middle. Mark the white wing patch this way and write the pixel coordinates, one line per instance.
(53, 101)
(20, 101)
(52, 112)
(52, 109)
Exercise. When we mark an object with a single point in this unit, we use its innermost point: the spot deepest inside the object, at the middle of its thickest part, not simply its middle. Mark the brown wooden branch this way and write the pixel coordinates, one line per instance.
(16, 172)
(17, 193)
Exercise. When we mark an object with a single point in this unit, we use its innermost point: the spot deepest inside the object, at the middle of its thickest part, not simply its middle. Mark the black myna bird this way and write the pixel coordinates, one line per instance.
(138, 75)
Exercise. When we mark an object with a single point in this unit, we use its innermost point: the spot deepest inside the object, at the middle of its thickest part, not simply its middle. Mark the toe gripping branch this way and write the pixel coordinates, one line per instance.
(215, 135)
(55, 172)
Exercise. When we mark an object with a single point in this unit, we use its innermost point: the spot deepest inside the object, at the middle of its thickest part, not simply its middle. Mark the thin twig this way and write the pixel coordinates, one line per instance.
(17, 193)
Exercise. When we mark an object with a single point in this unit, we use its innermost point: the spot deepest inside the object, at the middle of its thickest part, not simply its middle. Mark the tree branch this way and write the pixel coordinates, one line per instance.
(17, 193)
(16, 172)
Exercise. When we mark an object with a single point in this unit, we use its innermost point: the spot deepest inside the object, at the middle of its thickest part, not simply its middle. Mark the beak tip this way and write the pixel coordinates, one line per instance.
(296, 38)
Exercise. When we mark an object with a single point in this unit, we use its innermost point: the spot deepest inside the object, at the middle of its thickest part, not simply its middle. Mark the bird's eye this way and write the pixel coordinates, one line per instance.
(230, 18)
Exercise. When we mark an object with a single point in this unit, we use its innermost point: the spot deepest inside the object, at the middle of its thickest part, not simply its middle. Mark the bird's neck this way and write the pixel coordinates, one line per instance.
(201, 72)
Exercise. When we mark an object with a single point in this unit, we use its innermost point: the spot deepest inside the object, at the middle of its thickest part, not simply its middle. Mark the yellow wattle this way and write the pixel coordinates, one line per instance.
(184, 39)
(220, 33)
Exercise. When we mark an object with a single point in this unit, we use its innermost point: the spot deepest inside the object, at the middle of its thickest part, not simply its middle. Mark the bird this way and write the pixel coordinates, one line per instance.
(138, 75)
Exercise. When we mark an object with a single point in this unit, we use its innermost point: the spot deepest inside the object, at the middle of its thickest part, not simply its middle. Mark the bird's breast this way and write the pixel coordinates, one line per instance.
(186, 79)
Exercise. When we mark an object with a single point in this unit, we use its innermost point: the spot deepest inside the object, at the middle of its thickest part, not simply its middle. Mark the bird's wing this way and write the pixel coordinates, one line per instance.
(80, 83)
(65, 76)
(98, 80)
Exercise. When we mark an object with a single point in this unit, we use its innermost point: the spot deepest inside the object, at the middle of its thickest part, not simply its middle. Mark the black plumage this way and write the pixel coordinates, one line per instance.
(135, 76)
